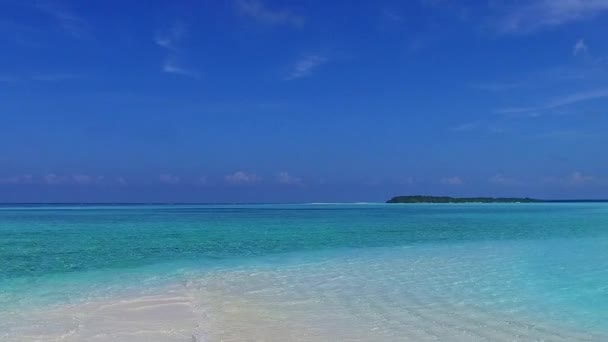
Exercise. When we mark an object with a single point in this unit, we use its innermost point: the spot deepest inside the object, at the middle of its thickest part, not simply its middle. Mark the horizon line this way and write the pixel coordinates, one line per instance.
(258, 203)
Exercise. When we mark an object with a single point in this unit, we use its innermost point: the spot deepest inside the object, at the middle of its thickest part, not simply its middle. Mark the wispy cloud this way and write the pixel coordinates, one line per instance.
(503, 180)
(19, 179)
(495, 125)
(54, 77)
(258, 11)
(529, 16)
(87, 179)
(580, 48)
(53, 179)
(41, 77)
(517, 110)
(576, 178)
(172, 67)
(498, 86)
(391, 16)
(306, 66)
(241, 177)
(406, 180)
(455, 180)
(592, 69)
(580, 178)
(169, 179)
(202, 180)
(569, 134)
(467, 126)
(69, 22)
(170, 40)
(287, 179)
(9, 79)
(61, 179)
(558, 102)
(578, 97)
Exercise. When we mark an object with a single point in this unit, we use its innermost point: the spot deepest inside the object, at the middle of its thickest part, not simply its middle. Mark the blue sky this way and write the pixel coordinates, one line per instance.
(281, 101)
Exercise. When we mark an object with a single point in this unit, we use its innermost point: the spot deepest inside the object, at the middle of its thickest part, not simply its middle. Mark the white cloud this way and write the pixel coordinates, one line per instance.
(170, 40)
(372, 182)
(241, 177)
(562, 134)
(391, 16)
(578, 97)
(580, 178)
(452, 180)
(529, 16)
(559, 102)
(517, 110)
(497, 86)
(169, 179)
(592, 69)
(9, 79)
(407, 180)
(258, 11)
(467, 126)
(69, 22)
(82, 179)
(202, 180)
(19, 179)
(38, 77)
(287, 179)
(580, 48)
(305, 66)
(54, 77)
(574, 179)
(502, 180)
(53, 179)
(86, 179)
(171, 66)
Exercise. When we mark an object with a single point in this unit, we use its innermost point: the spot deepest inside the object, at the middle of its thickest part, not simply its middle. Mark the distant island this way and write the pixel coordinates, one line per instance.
(446, 199)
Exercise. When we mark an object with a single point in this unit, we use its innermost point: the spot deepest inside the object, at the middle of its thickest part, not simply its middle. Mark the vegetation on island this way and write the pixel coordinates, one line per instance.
(446, 199)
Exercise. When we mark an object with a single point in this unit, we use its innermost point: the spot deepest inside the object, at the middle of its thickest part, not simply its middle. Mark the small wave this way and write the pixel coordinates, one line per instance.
(199, 335)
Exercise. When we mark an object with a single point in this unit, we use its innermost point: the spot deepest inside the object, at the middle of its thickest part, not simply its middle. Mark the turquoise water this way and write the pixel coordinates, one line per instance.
(539, 262)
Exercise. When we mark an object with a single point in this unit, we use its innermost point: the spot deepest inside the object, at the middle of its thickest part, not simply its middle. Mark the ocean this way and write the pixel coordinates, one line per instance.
(304, 272)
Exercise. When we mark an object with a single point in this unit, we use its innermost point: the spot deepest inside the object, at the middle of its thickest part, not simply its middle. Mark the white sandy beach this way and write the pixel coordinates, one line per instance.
(177, 316)
(346, 299)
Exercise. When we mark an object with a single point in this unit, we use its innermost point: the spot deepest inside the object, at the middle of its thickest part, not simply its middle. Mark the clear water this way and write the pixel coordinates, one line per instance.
(477, 269)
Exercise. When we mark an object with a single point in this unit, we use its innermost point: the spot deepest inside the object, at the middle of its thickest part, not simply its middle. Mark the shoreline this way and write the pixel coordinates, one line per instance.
(178, 316)
(361, 295)
(169, 316)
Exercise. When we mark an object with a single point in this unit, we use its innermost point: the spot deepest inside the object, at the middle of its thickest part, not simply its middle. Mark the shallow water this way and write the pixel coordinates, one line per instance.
(465, 272)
